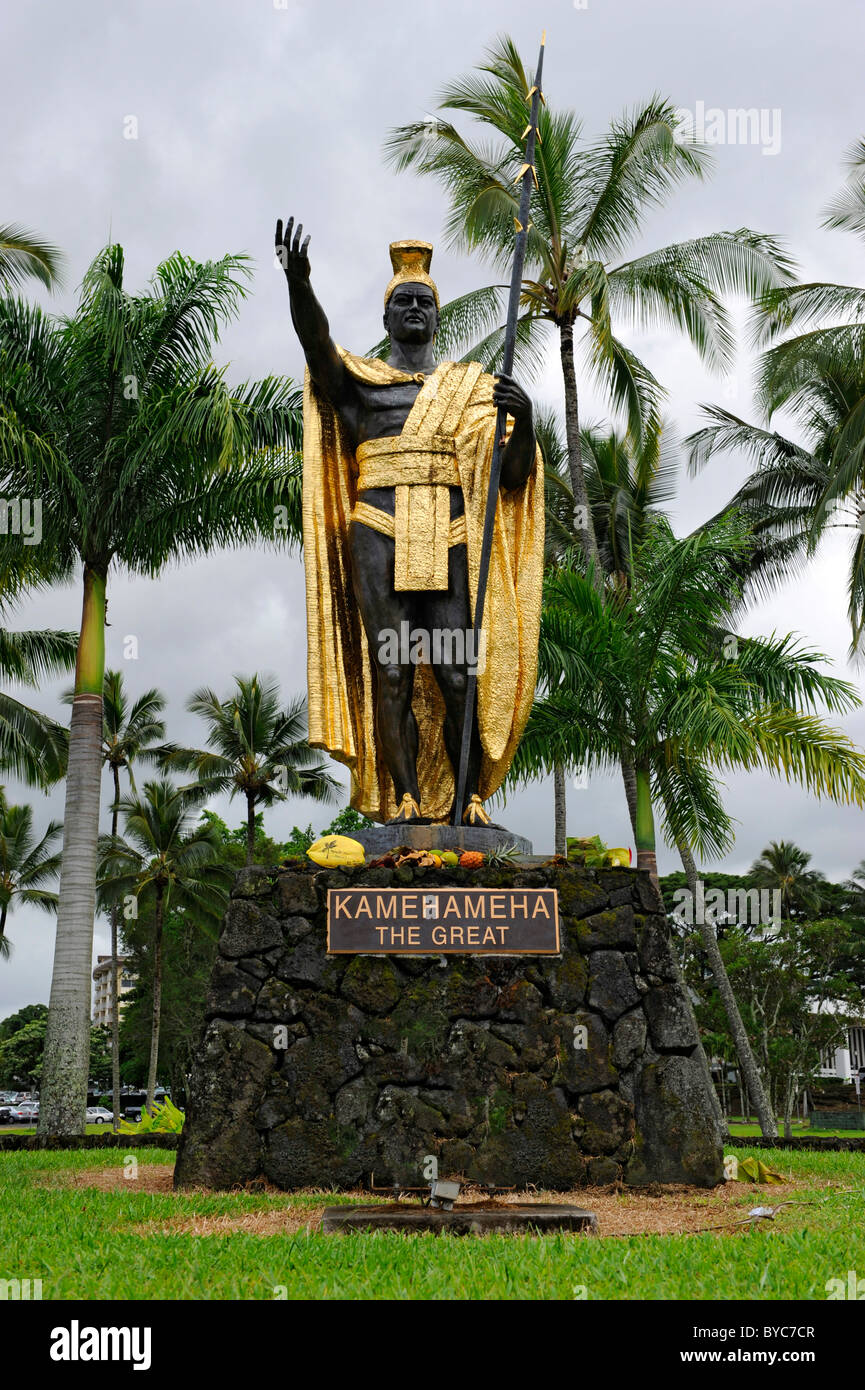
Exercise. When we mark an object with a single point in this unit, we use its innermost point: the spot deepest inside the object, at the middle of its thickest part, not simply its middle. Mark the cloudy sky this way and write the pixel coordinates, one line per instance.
(243, 110)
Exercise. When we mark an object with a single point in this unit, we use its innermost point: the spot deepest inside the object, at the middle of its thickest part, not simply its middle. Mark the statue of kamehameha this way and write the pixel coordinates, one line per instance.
(396, 472)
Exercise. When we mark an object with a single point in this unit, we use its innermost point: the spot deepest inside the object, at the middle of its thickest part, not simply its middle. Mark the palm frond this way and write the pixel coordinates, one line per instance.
(32, 746)
(632, 167)
(847, 209)
(23, 254)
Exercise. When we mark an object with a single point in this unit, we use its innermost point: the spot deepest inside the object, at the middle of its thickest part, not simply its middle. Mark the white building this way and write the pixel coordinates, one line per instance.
(102, 1014)
(843, 1063)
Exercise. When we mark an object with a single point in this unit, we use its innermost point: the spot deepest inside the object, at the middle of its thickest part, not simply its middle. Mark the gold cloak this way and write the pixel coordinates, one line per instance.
(457, 400)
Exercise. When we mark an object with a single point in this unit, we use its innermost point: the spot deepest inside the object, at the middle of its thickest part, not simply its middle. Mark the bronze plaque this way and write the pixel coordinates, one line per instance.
(443, 921)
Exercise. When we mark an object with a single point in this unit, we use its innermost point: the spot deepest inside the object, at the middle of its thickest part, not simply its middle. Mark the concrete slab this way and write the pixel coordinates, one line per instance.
(466, 1219)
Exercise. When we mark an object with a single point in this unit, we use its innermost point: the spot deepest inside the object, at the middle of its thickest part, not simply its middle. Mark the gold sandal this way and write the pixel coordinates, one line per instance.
(474, 813)
(408, 809)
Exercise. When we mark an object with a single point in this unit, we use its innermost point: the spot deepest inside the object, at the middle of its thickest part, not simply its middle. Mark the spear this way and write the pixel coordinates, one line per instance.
(527, 176)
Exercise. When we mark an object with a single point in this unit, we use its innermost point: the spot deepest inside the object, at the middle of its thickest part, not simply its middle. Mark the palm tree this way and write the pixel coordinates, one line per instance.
(32, 745)
(783, 867)
(128, 735)
(627, 482)
(167, 859)
(23, 254)
(645, 672)
(558, 542)
(591, 203)
(26, 864)
(118, 419)
(818, 376)
(855, 886)
(794, 488)
(258, 749)
(649, 669)
(131, 733)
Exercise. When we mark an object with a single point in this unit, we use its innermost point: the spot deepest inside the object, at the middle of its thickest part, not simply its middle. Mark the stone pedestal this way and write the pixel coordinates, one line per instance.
(379, 839)
(319, 1070)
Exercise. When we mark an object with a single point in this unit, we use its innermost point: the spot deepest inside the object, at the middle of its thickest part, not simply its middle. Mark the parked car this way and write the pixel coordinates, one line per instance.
(6, 1114)
(98, 1115)
(25, 1114)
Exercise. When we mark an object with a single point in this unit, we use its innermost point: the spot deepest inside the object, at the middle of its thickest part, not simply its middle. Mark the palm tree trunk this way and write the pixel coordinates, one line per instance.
(789, 1100)
(629, 777)
(67, 1040)
(115, 989)
(747, 1061)
(644, 826)
(250, 829)
(583, 524)
(560, 793)
(4, 912)
(157, 998)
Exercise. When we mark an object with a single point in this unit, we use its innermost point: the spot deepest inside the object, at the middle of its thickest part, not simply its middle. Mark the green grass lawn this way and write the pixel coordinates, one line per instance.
(801, 1130)
(85, 1243)
(31, 1129)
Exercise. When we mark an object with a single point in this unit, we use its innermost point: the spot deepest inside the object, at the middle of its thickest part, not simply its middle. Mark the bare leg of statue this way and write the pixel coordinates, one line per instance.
(449, 612)
(382, 610)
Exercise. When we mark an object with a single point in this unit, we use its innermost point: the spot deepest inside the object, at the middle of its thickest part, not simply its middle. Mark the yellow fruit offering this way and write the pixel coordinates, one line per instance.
(334, 851)
(618, 858)
(449, 857)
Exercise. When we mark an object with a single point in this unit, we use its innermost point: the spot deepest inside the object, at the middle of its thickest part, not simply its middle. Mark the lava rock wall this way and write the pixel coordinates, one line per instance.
(317, 1070)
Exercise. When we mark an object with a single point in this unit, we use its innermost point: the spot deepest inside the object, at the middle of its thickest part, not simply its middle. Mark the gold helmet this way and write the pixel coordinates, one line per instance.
(411, 263)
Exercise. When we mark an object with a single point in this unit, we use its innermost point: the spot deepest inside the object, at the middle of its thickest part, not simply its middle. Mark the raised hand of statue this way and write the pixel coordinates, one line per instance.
(291, 254)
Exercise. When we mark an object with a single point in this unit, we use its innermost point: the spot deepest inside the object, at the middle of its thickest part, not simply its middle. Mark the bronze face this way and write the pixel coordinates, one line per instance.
(411, 315)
